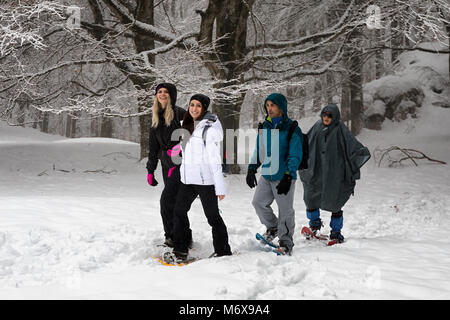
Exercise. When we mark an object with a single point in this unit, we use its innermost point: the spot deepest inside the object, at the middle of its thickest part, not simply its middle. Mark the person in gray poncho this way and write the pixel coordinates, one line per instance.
(335, 157)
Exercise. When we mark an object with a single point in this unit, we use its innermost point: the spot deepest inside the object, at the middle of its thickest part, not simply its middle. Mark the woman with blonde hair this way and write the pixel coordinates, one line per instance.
(166, 118)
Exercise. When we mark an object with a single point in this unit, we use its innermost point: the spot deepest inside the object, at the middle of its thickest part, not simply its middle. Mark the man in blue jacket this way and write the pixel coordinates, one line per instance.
(280, 158)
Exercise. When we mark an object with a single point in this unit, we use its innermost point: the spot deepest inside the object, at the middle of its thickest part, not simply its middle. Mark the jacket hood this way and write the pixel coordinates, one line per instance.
(280, 100)
(207, 120)
(210, 120)
(334, 110)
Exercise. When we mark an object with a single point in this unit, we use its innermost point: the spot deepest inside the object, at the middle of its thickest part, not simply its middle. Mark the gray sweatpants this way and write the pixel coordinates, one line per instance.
(265, 193)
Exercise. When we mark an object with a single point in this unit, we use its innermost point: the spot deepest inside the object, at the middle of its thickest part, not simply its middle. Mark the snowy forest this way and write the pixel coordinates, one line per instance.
(73, 70)
(88, 68)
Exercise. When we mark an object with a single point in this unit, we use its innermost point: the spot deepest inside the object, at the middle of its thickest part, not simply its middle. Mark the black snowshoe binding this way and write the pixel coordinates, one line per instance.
(315, 227)
(337, 236)
(284, 249)
(270, 234)
(175, 257)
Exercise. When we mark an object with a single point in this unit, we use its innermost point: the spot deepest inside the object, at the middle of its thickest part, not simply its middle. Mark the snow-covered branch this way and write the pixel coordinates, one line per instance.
(157, 33)
(340, 27)
(18, 26)
(174, 43)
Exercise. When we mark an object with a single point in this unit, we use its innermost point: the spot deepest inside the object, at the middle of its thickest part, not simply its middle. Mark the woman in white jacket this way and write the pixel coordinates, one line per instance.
(201, 175)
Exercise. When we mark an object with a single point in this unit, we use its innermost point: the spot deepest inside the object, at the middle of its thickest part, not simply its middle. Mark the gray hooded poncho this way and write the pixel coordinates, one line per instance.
(335, 157)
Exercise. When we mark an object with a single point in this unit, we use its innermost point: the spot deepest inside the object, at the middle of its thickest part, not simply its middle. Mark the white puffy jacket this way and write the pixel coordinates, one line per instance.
(202, 160)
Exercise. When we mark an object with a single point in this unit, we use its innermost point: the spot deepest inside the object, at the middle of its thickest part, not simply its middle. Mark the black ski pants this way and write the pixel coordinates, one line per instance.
(168, 199)
(186, 196)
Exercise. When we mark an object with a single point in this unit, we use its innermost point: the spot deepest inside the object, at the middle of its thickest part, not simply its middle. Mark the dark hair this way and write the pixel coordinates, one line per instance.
(188, 121)
(204, 100)
(188, 124)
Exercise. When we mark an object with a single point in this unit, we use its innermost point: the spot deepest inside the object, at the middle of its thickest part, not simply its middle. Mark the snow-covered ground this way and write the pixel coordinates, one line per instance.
(78, 220)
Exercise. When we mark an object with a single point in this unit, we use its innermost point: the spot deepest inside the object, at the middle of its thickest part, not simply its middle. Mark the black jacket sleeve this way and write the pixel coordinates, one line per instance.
(154, 149)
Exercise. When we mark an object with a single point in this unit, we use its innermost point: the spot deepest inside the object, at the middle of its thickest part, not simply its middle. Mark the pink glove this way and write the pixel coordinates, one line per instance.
(151, 180)
(170, 171)
(176, 150)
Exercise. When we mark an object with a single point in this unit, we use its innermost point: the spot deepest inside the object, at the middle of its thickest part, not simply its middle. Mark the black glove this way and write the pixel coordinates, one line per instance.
(251, 178)
(285, 184)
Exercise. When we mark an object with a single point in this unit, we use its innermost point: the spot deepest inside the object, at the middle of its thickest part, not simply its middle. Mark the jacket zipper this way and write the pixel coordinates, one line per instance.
(201, 175)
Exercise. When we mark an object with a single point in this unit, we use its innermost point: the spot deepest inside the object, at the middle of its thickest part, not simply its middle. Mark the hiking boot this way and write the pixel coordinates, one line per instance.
(337, 236)
(175, 257)
(315, 225)
(169, 242)
(270, 234)
(217, 255)
(285, 249)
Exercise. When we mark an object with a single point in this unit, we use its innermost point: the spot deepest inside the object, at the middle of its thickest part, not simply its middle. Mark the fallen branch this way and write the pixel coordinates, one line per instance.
(100, 171)
(125, 154)
(396, 155)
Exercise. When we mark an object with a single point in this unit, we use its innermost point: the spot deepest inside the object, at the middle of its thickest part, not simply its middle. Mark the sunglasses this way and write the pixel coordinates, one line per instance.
(327, 114)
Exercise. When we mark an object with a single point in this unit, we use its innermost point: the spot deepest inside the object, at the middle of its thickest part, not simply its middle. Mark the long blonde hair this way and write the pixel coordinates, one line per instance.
(168, 113)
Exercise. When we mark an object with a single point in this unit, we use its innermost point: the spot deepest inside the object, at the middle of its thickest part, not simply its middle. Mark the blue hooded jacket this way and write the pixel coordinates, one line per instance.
(276, 154)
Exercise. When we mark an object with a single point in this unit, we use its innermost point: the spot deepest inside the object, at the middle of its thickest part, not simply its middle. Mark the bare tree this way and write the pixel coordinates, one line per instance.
(226, 47)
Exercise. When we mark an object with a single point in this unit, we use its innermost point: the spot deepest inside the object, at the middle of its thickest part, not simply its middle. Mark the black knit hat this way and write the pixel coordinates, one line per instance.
(204, 100)
(172, 91)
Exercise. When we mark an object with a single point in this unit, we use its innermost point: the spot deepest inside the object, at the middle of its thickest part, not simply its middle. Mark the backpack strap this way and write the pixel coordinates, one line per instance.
(205, 130)
(292, 129)
(294, 124)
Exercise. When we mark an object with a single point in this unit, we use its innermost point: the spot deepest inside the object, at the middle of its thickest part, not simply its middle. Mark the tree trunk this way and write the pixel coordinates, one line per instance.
(379, 56)
(144, 13)
(355, 80)
(94, 127)
(228, 113)
(317, 98)
(44, 121)
(229, 19)
(106, 127)
(68, 125)
(73, 127)
(398, 39)
(448, 34)
(21, 112)
(345, 99)
(356, 94)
